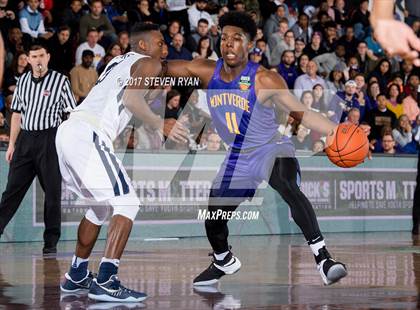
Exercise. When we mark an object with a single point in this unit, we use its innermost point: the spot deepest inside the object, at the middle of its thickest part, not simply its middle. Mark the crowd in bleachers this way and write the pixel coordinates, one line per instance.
(324, 49)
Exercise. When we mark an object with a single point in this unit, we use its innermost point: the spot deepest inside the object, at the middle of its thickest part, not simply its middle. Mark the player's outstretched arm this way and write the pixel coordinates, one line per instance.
(201, 68)
(273, 89)
(134, 100)
(395, 37)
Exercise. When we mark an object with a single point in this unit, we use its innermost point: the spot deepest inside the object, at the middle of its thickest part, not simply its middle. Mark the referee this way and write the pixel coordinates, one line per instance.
(40, 101)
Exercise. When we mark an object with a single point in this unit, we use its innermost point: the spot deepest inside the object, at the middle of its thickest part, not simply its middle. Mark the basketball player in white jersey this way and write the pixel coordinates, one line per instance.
(91, 170)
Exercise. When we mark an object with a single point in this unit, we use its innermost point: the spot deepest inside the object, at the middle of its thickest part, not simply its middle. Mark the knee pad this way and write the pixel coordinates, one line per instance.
(97, 215)
(126, 205)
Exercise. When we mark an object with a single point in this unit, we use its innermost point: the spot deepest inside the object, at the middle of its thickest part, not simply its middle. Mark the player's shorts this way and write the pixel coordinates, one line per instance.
(89, 166)
(242, 172)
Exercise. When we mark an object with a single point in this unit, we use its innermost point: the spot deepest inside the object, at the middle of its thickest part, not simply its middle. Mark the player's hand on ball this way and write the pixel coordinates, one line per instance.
(398, 39)
(175, 130)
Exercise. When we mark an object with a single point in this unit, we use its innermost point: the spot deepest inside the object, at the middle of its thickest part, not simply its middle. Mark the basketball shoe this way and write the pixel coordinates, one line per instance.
(70, 286)
(113, 291)
(217, 269)
(330, 270)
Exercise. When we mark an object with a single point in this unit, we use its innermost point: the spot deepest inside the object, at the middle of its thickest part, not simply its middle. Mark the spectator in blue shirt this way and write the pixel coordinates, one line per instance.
(177, 50)
(287, 69)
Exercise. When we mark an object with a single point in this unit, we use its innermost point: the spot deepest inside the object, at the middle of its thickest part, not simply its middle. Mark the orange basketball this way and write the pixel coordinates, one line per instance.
(348, 147)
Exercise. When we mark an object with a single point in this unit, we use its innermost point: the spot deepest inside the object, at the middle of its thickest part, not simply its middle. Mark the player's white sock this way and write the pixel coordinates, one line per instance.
(76, 261)
(221, 256)
(317, 246)
(114, 261)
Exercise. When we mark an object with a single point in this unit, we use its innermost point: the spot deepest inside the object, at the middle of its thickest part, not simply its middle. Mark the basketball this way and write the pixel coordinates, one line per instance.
(348, 147)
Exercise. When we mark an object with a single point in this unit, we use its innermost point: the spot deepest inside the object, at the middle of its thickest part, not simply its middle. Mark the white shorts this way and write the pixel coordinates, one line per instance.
(89, 166)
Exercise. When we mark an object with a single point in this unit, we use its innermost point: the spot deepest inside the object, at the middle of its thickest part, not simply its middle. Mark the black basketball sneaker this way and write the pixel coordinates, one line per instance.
(217, 269)
(330, 270)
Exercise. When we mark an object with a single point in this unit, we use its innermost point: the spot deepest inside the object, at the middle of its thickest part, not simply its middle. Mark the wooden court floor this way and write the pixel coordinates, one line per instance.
(277, 272)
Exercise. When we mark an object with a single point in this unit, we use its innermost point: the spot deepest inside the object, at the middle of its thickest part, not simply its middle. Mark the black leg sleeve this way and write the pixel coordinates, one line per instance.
(284, 179)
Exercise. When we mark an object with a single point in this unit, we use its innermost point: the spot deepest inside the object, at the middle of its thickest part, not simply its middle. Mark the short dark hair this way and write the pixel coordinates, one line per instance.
(37, 47)
(144, 27)
(64, 28)
(93, 29)
(203, 20)
(241, 20)
(93, 1)
(380, 95)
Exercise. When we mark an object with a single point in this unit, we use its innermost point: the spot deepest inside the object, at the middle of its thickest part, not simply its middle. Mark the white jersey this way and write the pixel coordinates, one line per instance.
(103, 107)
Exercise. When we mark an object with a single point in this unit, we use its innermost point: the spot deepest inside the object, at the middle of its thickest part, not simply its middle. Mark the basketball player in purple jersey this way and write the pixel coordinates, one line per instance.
(242, 97)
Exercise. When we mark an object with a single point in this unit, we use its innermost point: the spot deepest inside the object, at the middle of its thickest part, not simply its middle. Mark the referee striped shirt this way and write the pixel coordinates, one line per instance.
(42, 102)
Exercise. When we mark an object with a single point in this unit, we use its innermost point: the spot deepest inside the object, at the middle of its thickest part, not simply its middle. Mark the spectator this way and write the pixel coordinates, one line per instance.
(149, 138)
(302, 29)
(287, 68)
(349, 41)
(72, 16)
(83, 77)
(173, 29)
(204, 50)
(239, 6)
(32, 22)
(173, 109)
(116, 15)
(307, 99)
(275, 38)
(413, 86)
(383, 73)
(373, 92)
(318, 146)
(113, 51)
(19, 66)
(354, 116)
(336, 80)
(285, 45)
(303, 61)
(198, 12)
(360, 20)
(61, 51)
(7, 17)
(367, 60)
(341, 15)
(326, 62)
(302, 140)
(406, 70)
(124, 42)
(14, 43)
(330, 36)
(91, 44)
(322, 19)
(380, 117)
(141, 13)
(262, 45)
(177, 50)
(403, 136)
(308, 80)
(299, 47)
(213, 142)
(349, 101)
(362, 94)
(99, 21)
(179, 11)
(320, 103)
(273, 23)
(256, 55)
(394, 100)
(410, 105)
(315, 48)
(160, 13)
(202, 31)
(388, 144)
